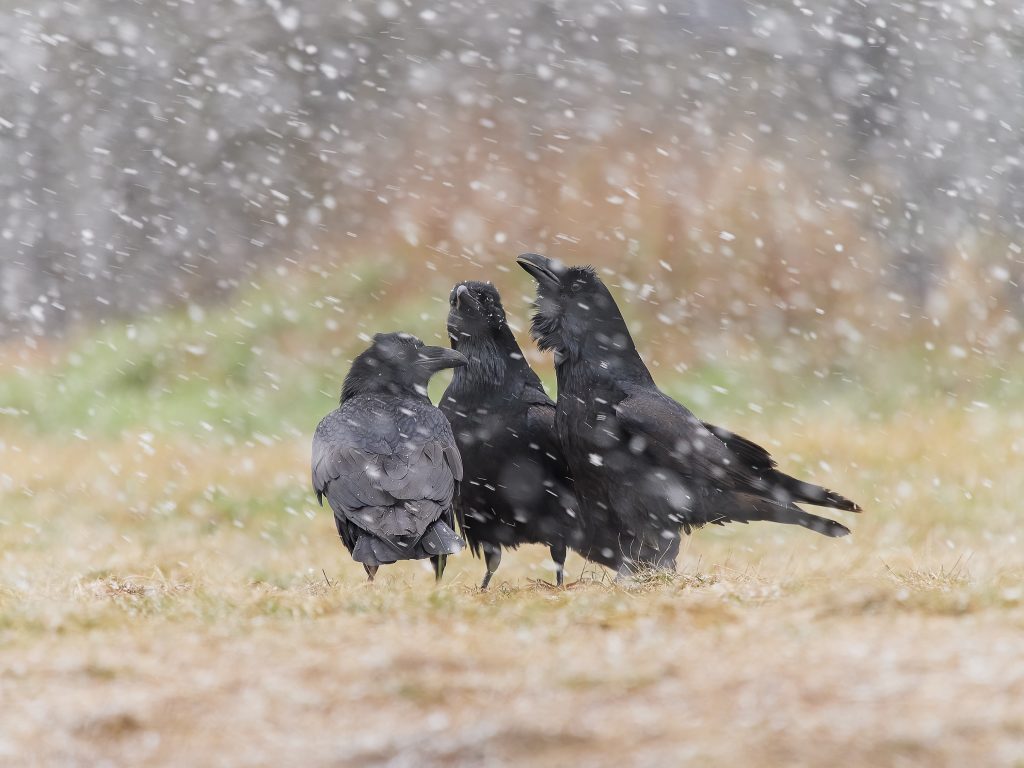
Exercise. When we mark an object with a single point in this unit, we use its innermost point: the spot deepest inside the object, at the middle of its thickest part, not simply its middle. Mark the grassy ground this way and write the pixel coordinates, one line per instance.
(169, 593)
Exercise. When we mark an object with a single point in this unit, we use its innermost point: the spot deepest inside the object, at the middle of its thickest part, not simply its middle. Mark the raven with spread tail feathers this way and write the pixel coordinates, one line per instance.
(386, 458)
(517, 488)
(645, 467)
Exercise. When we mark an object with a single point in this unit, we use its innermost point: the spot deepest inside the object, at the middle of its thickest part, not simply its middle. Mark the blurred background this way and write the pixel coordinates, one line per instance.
(756, 171)
(810, 214)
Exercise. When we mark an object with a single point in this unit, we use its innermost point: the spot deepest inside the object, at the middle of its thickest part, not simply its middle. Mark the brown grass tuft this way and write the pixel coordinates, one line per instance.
(190, 604)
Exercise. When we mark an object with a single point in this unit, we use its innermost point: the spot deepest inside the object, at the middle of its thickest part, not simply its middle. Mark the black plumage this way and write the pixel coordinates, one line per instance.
(517, 488)
(386, 458)
(645, 467)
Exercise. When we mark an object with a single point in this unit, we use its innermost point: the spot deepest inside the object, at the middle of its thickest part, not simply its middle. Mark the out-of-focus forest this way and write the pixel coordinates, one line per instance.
(754, 170)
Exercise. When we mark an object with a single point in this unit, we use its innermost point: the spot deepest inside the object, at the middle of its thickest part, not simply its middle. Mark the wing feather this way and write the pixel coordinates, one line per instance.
(676, 439)
(389, 470)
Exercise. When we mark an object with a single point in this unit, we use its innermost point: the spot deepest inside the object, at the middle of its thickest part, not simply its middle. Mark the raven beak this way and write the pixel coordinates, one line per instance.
(439, 358)
(541, 268)
(462, 293)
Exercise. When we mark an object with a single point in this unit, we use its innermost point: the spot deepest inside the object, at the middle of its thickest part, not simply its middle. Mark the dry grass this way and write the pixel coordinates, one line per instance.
(168, 602)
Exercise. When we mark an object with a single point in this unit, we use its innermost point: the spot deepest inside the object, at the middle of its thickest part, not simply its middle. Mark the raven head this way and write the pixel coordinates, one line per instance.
(476, 312)
(397, 364)
(478, 329)
(576, 315)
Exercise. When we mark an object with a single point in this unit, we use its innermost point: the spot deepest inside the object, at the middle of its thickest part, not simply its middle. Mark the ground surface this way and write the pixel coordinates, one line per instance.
(170, 601)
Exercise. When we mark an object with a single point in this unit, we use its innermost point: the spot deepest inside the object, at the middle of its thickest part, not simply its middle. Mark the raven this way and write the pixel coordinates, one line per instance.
(645, 466)
(386, 459)
(517, 488)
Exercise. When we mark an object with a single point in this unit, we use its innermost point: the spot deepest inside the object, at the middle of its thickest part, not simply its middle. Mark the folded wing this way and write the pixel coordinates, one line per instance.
(713, 475)
(392, 478)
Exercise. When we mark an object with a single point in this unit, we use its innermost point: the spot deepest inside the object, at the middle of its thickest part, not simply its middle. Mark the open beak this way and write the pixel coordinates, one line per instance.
(541, 268)
(439, 358)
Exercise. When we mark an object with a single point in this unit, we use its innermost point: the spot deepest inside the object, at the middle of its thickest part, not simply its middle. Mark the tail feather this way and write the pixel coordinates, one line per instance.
(821, 525)
(809, 493)
(439, 539)
(372, 551)
(743, 508)
(756, 458)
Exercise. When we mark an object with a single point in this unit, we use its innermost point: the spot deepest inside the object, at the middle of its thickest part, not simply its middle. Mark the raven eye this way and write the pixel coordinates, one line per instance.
(577, 286)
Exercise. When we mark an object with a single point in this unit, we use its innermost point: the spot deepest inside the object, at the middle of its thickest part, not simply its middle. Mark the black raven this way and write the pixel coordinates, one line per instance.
(386, 459)
(645, 466)
(517, 488)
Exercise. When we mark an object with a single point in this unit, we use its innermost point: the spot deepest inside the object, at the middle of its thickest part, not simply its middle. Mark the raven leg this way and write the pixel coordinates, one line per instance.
(371, 571)
(492, 556)
(558, 555)
(439, 561)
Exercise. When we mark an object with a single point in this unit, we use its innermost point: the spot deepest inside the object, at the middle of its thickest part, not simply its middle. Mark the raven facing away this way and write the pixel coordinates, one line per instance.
(386, 459)
(645, 466)
(517, 488)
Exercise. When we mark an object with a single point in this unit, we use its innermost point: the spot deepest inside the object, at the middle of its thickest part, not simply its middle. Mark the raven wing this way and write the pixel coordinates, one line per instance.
(389, 468)
(534, 395)
(782, 487)
(657, 426)
(750, 453)
(540, 422)
(704, 474)
(715, 456)
(559, 489)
